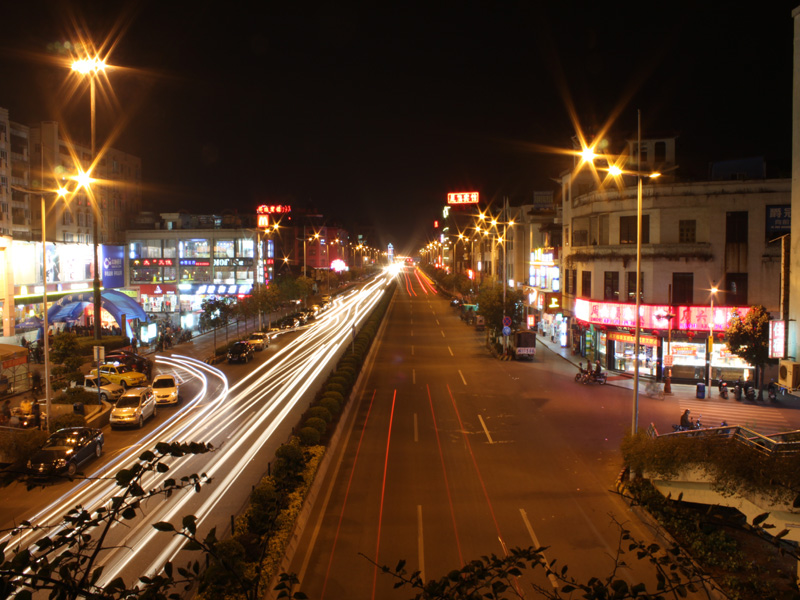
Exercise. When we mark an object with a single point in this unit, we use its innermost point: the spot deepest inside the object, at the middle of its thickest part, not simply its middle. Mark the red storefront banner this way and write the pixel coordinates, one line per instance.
(158, 289)
(656, 316)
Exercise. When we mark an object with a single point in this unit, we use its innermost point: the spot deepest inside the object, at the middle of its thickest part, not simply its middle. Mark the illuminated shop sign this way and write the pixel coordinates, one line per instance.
(194, 262)
(222, 289)
(233, 262)
(273, 209)
(655, 316)
(462, 198)
(777, 339)
(153, 262)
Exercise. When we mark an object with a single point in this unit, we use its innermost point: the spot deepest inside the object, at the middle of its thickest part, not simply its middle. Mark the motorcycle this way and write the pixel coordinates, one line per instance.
(737, 391)
(581, 373)
(695, 424)
(592, 377)
(750, 393)
(723, 390)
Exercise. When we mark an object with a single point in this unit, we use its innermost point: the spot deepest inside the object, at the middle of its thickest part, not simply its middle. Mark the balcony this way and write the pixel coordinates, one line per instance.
(651, 252)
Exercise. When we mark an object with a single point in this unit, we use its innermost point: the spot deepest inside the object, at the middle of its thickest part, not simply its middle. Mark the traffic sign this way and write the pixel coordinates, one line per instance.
(506, 331)
(668, 358)
(506, 322)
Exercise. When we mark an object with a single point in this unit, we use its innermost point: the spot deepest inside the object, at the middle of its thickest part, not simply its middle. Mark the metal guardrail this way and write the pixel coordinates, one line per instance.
(777, 444)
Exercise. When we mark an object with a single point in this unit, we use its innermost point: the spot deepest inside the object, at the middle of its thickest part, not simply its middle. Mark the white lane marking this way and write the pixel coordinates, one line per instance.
(451, 351)
(485, 429)
(420, 544)
(550, 576)
(412, 333)
(462, 377)
(442, 333)
(413, 376)
(416, 428)
(412, 350)
(437, 322)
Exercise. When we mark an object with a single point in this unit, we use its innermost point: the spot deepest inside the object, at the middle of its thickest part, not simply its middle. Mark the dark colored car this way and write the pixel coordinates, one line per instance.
(288, 323)
(136, 361)
(65, 451)
(240, 352)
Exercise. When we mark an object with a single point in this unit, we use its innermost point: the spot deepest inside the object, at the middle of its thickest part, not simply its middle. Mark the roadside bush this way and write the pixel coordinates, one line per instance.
(219, 577)
(69, 420)
(342, 381)
(318, 424)
(264, 507)
(309, 436)
(335, 387)
(71, 395)
(19, 446)
(319, 412)
(331, 405)
(288, 466)
(347, 372)
(337, 396)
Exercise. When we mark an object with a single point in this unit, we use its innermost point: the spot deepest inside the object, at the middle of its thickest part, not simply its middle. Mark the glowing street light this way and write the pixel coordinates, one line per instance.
(91, 67)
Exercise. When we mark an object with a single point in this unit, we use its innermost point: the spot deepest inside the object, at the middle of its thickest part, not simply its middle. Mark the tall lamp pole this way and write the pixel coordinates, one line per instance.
(90, 68)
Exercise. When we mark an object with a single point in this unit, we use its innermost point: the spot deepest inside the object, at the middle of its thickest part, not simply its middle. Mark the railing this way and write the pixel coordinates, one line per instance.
(777, 444)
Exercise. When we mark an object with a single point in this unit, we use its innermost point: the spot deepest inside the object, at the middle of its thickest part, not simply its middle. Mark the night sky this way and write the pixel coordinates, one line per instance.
(372, 112)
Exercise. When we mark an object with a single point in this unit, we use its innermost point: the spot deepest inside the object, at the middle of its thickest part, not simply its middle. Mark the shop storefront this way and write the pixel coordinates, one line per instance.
(606, 331)
(159, 298)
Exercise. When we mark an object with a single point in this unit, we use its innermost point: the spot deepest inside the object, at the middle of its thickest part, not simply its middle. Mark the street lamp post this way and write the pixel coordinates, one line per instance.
(60, 193)
(92, 67)
(710, 353)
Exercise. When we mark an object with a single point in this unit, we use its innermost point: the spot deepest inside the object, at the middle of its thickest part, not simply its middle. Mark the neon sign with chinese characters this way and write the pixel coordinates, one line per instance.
(463, 197)
(655, 316)
(273, 209)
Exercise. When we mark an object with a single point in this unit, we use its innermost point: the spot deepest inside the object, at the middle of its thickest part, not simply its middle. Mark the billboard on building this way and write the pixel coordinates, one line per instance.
(113, 266)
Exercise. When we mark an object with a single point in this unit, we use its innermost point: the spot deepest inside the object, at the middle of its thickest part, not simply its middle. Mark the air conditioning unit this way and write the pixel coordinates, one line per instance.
(789, 374)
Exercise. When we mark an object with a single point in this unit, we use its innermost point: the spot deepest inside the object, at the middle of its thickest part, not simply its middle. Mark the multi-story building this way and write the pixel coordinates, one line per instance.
(696, 237)
(117, 188)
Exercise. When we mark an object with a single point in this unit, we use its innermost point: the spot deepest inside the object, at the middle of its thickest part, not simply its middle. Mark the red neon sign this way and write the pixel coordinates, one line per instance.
(462, 198)
(654, 316)
(271, 209)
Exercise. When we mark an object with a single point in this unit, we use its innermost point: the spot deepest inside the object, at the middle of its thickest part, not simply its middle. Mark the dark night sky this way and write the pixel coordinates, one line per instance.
(374, 112)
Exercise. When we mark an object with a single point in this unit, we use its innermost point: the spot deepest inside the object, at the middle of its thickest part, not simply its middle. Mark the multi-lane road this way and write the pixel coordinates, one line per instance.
(244, 411)
(452, 455)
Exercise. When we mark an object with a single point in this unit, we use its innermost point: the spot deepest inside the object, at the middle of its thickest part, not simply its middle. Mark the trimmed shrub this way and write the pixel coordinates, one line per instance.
(69, 420)
(19, 445)
(288, 466)
(331, 405)
(334, 395)
(264, 507)
(335, 387)
(346, 371)
(319, 412)
(342, 381)
(317, 424)
(76, 394)
(309, 436)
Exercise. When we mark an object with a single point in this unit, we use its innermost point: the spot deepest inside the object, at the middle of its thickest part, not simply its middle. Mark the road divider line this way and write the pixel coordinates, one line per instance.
(485, 429)
(412, 350)
(437, 322)
(462, 377)
(416, 428)
(420, 544)
(383, 496)
(442, 333)
(550, 576)
(451, 351)
(413, 376)
(444, 476)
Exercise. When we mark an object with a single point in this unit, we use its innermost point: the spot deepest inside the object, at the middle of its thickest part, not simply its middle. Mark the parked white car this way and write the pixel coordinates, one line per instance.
(166, 389)
(133, 408)
(109, 392)
(258, 340)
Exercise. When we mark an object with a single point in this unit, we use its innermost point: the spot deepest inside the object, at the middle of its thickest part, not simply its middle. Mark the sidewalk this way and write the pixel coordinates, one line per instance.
(680, 391)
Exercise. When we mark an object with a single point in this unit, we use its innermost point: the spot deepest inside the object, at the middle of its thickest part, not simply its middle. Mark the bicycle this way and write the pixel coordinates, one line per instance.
(654, 390)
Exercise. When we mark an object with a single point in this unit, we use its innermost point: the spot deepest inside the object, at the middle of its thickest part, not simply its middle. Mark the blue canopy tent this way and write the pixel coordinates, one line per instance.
(116, 303)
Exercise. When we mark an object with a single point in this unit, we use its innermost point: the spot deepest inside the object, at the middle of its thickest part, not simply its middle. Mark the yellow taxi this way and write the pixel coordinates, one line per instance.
(122, 375)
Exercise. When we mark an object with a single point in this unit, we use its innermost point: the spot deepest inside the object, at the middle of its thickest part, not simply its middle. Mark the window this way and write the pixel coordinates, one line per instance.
(246, 248)
(195, 249)
(611, 286)
(627, 229)
(687, 231)
(574, 282)
(683, 288)
(170, 249)
(586, 284)
(735, 289)
(631, 286)
(223, 249)
(736, 227)
(603, 230)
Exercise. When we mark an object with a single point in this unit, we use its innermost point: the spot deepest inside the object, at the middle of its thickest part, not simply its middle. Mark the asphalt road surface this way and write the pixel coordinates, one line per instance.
(453, 454)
